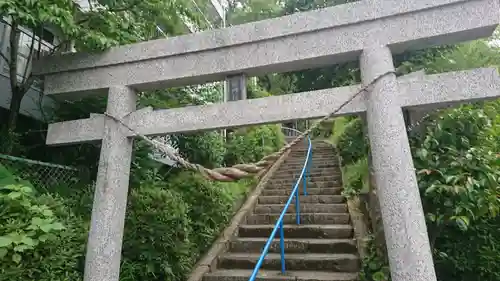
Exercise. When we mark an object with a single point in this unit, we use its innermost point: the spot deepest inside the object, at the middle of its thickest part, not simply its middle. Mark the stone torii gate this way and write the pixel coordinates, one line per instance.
(371, 31)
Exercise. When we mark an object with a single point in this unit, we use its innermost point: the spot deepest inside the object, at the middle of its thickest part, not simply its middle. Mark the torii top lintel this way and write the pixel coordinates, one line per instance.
(293, 42)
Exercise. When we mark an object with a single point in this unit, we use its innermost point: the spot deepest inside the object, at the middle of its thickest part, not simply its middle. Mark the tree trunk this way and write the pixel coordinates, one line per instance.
(15, 106)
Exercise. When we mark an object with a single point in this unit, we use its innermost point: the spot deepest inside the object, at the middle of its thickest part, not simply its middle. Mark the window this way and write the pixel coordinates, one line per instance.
(26, 37)
(3, 43)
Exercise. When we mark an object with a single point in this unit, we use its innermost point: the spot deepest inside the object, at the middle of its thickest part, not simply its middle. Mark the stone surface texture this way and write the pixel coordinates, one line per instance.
(102, 261)
(408, 247)
(294, 42)
(426, 91)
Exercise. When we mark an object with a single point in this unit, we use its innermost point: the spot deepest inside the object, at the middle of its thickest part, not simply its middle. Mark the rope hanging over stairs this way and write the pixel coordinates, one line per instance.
(240, 171)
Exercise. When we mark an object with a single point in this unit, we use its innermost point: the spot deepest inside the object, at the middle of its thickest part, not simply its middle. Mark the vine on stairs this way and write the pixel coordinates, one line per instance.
(240, 171)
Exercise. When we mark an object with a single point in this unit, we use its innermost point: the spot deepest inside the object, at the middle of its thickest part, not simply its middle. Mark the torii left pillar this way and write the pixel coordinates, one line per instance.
(102, 261)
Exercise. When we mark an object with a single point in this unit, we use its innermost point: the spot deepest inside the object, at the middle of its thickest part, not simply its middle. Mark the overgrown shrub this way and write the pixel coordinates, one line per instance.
(470, 255)
(169, 226)
(458, 172)
(355, 178)
(352, 144)
(158, 229)
(210, 205)
(250, 144)
(206, 149)
(40, 238)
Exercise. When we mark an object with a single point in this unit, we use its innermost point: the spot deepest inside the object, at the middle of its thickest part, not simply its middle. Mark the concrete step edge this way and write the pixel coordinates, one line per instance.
(272, 275)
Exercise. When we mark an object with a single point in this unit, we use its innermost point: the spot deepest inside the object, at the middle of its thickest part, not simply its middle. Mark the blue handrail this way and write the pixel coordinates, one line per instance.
(279, 223)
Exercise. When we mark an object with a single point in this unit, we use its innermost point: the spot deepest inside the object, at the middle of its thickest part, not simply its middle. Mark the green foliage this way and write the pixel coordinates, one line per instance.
(254, 92)
(374, 265)
(355, 178)
(169, 226)
(157, 232)
(39, 238)
(216, 207)
(471, 255)
(206, 149)
(104, 24)
(352, 144)
(338, 129)
(8, 178)
(458, 175)
(249, 145)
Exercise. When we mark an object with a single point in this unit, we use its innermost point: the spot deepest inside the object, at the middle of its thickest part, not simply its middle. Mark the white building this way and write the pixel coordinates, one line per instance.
(30, 105)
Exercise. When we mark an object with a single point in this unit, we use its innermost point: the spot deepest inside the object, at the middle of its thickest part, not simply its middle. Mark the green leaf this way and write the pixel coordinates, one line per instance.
(43, 237)
(5, 241)
(26, 189)
(430, 189)
(379, 276)
(46, 227)
(28, 241)
(3, 253)
(21, 248)
(47, 213)
(58, 226)
(16, 258)
(14, 195)
(462, 222)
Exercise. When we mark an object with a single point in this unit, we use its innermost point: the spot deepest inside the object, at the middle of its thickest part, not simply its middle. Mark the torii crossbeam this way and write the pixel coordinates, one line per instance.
(369, 30)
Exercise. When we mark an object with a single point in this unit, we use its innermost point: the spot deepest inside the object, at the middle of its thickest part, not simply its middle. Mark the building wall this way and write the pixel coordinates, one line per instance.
(33, 100)
(30, 106)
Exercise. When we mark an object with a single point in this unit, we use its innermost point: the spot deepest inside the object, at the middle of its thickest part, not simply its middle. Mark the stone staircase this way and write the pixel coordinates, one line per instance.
(320, 248)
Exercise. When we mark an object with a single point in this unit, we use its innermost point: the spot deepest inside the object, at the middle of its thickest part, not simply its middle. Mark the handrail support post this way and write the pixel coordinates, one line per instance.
(282, 247)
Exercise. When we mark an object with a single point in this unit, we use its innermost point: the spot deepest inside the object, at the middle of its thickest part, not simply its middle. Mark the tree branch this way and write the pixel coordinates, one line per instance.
(112, 10)
(14, 48)
(30, 58)
(4, 57)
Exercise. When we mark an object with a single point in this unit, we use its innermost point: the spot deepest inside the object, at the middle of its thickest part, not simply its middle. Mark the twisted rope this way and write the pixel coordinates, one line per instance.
(240, 171)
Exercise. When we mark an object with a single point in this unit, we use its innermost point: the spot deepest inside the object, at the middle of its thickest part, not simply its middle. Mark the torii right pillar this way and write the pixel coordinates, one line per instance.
(406, 237)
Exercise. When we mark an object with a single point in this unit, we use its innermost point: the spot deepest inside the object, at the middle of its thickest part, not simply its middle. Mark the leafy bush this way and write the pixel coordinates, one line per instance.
(458, 176)
(157, 231)
(40, 239)
(374, 265)
(206, 149)
(352, 144)
(355, 177)
(477, 261)
(210, 205)
(250, 144)
(458, 172)
(169, 226)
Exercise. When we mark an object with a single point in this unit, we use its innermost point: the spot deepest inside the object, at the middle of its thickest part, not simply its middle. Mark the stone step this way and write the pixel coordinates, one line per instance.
(255, 245)
(333, 231)
(276, 275)
(326, 199)
(311, 184)
(323, 262)
(311, 174)
(313, 167)
(272, 190)
(315, 154)
(316, 159)
(305, 218)
(314, 170)
(305, 208)
(313, 177)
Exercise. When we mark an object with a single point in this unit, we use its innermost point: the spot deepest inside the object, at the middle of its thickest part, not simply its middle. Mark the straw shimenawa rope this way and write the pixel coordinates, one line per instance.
(240, 171)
